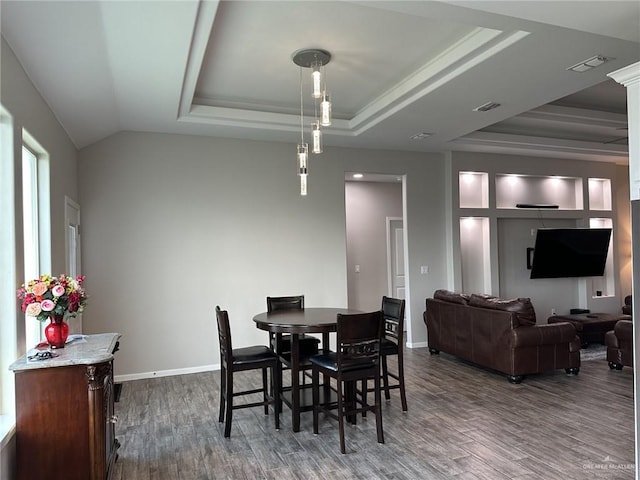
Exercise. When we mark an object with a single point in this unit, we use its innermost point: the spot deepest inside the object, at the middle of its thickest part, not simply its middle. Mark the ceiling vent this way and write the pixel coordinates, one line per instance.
(421, 136)
(486, 107)
(589, 63)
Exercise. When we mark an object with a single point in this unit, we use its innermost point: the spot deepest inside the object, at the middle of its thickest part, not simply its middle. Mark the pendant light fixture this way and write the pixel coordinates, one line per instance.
(315, 59)
(325, 110)
(317, 137)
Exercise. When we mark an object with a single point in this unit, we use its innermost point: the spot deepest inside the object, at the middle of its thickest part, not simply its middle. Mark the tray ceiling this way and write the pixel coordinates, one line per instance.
(398, 68)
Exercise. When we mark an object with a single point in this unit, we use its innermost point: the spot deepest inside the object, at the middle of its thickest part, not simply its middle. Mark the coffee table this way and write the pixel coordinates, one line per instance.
(591, 327)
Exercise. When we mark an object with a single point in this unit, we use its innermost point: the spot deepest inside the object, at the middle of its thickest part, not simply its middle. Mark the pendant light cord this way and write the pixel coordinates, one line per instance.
(301, 111)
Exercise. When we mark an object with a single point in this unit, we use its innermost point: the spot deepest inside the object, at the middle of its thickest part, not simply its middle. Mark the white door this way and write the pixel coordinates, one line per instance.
(395, 257)
(73, 249)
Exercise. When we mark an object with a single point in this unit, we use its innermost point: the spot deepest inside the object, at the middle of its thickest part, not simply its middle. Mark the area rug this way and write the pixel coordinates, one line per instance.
(593, 351)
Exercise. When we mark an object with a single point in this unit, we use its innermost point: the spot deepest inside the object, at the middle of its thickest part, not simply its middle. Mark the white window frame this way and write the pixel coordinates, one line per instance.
(8, 306)
(33, 328)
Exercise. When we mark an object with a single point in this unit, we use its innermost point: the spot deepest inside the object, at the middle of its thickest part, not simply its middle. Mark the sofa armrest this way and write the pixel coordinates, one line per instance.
(548, 334)
(624, 329)
(610, 340)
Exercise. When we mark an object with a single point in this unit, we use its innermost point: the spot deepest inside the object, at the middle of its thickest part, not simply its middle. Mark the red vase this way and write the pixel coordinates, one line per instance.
(57, 331)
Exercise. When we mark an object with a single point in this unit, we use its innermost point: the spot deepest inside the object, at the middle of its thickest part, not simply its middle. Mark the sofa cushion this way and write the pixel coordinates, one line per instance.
(451, 297)
(522, 307)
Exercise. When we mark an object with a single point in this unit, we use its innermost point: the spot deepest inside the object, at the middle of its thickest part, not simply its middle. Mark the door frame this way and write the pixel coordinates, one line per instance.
(390, 259)
(68, 205)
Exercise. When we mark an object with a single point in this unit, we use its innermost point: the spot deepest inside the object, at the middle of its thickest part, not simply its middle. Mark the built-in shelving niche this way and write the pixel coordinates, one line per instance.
(512, 189)
(475, 254)
(474, 189)
(600, 194)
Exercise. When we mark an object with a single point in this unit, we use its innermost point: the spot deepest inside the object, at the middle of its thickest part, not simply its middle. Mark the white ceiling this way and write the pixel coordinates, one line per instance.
(397, 68)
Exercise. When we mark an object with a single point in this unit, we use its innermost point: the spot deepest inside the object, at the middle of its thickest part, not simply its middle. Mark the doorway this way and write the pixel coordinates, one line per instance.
(395, 257)
(375, 240)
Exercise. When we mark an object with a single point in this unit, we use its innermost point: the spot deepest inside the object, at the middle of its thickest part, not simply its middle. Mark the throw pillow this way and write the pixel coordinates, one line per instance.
(452, 297)
(522, 307)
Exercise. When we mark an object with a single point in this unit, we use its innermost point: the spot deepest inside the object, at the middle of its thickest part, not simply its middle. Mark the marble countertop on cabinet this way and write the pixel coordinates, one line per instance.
(85, 350)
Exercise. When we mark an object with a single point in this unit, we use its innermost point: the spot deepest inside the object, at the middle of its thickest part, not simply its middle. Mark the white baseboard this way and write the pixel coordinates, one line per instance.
(166, 373)
(202, 368)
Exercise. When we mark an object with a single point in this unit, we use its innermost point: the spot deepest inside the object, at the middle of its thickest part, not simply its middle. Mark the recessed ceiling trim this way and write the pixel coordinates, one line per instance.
(256, 119)
(573, 115)
(473, 49)
(524, 142)
(200, 37)
(627, 76)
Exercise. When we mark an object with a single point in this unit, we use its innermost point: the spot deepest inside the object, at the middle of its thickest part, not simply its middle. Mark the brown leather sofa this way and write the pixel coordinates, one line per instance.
(499, 334)
(619, 342)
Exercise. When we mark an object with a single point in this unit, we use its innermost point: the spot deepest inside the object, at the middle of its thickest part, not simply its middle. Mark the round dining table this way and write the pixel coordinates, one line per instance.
(321, 320)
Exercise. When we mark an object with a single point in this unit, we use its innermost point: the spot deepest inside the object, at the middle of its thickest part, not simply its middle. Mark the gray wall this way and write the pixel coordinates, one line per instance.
(175, 225)
(368, 204)
(29, 111)
(514, 236)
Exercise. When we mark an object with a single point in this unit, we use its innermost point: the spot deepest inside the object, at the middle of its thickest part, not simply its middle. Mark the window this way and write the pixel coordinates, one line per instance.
(30, 232)
(36, 232)
(8, 304)
(24, 250)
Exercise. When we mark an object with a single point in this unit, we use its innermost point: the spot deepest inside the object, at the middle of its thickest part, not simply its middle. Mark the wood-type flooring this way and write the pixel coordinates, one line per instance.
(464, 422)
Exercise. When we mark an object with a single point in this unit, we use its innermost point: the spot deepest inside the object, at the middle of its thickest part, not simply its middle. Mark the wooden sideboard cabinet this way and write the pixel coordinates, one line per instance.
(65, 422)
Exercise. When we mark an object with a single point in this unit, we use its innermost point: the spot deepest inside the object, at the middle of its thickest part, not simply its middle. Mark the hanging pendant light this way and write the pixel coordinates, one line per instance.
(325, 110)
(303, 157)
(316, 75)
(314, 59)
(317, 137)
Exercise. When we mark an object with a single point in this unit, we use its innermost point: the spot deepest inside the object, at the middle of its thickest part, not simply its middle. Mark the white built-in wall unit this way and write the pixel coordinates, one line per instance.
(629, 76)
(492, 234)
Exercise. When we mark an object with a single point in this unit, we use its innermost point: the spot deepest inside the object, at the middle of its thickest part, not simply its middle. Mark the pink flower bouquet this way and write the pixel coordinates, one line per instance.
(47, 295)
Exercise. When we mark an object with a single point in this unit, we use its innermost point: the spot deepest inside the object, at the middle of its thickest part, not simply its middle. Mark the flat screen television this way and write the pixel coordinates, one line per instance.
(570, 252)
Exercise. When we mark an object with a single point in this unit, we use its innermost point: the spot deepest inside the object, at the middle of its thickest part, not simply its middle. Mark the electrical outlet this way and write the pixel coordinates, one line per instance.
(357, 268)
(553, 311)
(424, 269)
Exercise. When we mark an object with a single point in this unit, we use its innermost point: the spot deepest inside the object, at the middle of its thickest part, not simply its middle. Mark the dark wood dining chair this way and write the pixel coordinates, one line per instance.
(242, 359)
(392, 344)
(282, 345)
(357, 358)
(307, 344)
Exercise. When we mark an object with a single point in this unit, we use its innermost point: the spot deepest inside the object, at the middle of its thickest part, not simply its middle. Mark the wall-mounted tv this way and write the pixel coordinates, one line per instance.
(570, 252)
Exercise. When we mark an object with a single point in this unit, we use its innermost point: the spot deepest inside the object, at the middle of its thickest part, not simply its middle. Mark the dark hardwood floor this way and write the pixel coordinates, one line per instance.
(463, 422)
